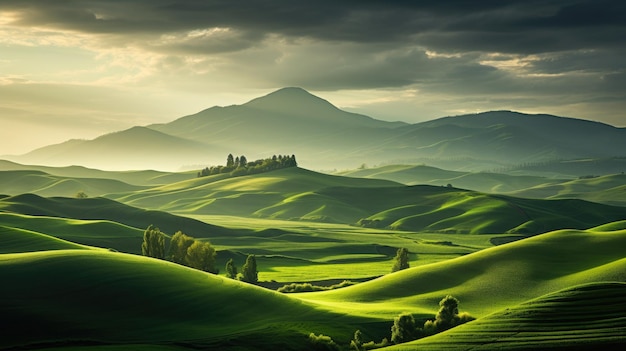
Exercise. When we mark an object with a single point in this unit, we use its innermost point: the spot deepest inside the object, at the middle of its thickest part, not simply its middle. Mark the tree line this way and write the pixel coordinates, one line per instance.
(239, 165)
(188, 251)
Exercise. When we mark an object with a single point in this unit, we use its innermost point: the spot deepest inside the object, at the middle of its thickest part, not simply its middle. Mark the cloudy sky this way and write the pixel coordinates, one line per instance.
(80, 68)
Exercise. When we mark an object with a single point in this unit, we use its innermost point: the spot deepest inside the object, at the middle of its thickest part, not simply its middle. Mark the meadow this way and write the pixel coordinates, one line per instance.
(535, 273)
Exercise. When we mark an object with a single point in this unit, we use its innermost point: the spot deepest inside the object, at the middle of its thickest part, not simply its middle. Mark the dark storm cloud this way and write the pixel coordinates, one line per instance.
(536, 49)
(505, 26)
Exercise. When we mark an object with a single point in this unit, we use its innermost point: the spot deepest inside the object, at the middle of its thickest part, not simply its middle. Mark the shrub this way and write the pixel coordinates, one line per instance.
(201, 255)
(308, 287)
(403, 329)
(322, 343)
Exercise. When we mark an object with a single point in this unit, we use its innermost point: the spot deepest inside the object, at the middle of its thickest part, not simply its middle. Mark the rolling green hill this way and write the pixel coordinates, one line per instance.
(15, 240)
(139, 178)
(44, 184)
(304, 195)
(483, 181)
(96, 233)
(108, 210)
(82, 298)
(609, 189)
(491, 279)
(585, 317)
(243, 196)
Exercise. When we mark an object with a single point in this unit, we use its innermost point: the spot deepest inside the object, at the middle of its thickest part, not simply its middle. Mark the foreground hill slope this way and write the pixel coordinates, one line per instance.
(491, 279)
(89, 298)
(585, 317)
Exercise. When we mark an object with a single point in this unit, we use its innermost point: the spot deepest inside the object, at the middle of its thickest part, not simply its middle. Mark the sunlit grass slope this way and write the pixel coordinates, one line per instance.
(87, 297)
(98, 233)
(44, 184)
(245, 195)
(305, 195)
(106, 209)
(15, 240)
(421, 174)
(585, 317)
(491, 279)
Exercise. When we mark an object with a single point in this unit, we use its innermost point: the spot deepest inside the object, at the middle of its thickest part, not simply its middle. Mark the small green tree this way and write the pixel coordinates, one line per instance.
(249, 273)
(179, 245)
(401, 261)
(448, 316)
(230, 161)
(231, 269)
(403, 329)
(201, 255)
(153, 244)
(81, 195)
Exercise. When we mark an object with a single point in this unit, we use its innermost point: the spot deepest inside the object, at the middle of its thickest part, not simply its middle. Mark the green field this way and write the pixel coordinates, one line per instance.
(73, 277)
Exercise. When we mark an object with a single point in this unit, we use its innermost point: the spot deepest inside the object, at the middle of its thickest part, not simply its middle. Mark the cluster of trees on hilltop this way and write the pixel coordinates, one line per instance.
(241, 166)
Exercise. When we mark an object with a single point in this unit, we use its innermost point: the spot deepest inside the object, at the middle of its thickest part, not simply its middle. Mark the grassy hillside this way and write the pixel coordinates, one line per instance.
(97, 233)
(43, 184)
(304, 195)
(107, 210)
(15, 240)
(609, 189)
(491, 279)
(585, 317)
(241, 196)
(140, 178)
(483, 181)
(90, 298)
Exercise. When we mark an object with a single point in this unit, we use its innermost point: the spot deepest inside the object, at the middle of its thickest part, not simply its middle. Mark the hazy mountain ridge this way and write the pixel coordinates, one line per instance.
(293, 121)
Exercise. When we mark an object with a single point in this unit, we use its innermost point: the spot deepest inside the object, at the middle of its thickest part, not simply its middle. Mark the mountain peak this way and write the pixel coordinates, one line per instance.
(292, 100)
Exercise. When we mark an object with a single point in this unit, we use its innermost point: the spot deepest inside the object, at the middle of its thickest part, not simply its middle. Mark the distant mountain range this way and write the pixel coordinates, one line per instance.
(293, 121)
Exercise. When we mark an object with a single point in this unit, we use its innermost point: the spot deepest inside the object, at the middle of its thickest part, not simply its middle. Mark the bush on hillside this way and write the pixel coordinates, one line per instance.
(308, 287)
(179, 245)
(322, 343)
(201, 255)
(447, 317)
(403, 329)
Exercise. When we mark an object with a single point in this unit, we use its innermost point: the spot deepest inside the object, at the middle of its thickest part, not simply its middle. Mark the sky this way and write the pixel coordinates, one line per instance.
(82, 68)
